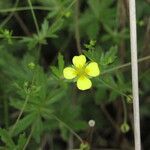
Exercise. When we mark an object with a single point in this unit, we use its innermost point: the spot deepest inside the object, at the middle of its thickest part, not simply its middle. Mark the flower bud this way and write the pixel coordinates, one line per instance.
(31, 65)
(125, 127)
(67, 14)
(84, 146)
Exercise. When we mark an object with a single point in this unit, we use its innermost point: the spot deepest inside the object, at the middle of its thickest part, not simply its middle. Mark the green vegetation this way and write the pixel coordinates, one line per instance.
(39, 108)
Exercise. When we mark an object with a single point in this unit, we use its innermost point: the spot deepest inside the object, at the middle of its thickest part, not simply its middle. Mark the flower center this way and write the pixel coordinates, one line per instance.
(81, 71)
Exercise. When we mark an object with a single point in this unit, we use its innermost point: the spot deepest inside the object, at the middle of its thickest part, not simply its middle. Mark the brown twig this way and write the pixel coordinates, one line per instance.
(22, 24)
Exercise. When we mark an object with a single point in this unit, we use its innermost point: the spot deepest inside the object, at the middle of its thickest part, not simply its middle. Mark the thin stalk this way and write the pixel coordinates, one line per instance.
(124, 110)
(126, 65)
(74, 133)
(13, 37)
(20, 114)
(10, 15)
(134, 64)
(26, 8)
(70, 142)
(113, 88)
(29, 138)
(22, 24)
(23, 107)
(34, 17)
(62, 13)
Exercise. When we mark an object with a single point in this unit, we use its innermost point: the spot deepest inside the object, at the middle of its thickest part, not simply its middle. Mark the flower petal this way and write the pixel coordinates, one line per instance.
(92, 69)
(83, 83)
(69, 73)
(79, 61)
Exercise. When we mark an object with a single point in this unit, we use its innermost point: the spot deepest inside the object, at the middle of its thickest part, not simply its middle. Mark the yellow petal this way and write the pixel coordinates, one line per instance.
(83, 83)
(79, 61)
(69, 73)
(92, 69)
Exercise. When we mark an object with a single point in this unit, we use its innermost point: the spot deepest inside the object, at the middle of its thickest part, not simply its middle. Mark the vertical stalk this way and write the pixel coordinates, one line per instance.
(77, 31)
(134, 63)
(20, 114)
(34, 17)
(29, 137)
(125, 110)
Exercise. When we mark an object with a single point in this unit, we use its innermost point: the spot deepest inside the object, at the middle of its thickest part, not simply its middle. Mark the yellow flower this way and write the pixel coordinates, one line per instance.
(82, 71)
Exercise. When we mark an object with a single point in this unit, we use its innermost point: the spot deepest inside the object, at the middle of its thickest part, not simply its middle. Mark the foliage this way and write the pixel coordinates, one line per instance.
(38, 107)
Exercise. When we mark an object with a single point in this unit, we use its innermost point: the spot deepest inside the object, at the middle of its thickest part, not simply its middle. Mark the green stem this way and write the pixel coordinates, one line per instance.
(69, 128)
(62, 13)
(10, 15)
(125, 65)
(12, 37)
(26, 8)
(124, 110)
(29, 138)
(113, 88)
(20, 114)
(23, 107)
(34, 17)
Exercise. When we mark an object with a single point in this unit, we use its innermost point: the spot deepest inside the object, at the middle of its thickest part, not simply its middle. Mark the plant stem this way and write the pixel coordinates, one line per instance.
(29, 137)
(74, 133)
(124, 110)
(20, 114)
(25, 8)
(22, 24)
(134, 64)
(34, 17)
(125, 65)
(113, 88)
(10, 15)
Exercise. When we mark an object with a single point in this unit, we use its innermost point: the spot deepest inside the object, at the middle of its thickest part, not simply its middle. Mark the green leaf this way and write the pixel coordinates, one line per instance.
(93, 30)
(64, 132)
(45, 27)
(56, 96)
(103, 11)
(21, 142)
(94, 55)
(58, 71)
(80, 125)
(18, 104)
(24, 123)
(38, 129)
(5, 137)
(60, 62)
(55, 71)
(6, 34)
(56, 26)
(100, 95)
(109, 57)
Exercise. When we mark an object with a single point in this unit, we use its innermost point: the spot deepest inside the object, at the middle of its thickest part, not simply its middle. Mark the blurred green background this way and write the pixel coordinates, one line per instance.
(38, 38)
